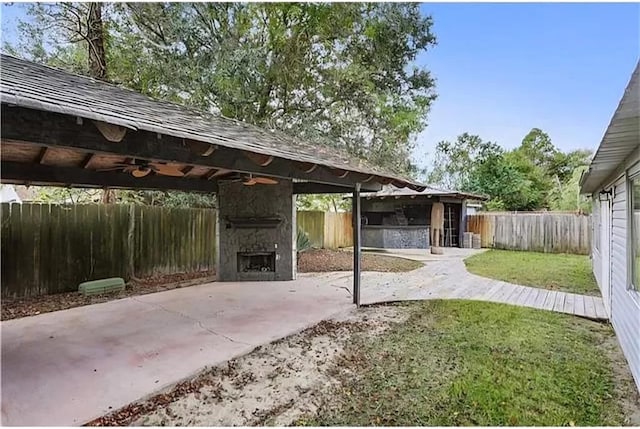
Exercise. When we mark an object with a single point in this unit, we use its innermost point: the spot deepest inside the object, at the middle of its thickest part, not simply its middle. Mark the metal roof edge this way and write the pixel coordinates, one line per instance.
(586, 187)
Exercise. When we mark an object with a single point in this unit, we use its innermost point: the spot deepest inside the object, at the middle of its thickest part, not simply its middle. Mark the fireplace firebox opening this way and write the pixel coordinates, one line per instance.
(256, 262)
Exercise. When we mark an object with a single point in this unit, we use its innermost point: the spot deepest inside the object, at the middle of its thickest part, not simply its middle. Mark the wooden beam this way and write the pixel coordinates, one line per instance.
(87, 159)
(259, 159)
(49, 129)
(369, 179)
(221, 172)
(111, 132)
(200, 148)
(307, 167)
(209, 174)
(339, 172)
(41, 155)
(321, 188)
(40, 174)
(187, 169)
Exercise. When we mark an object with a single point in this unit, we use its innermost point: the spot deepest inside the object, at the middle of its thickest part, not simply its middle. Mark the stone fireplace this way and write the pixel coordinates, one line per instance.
(264, 262)
(257, 232)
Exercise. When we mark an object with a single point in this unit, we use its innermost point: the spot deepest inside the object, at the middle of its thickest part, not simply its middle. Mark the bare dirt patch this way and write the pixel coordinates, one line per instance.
(325, 260)
(275, 384)
(625, 389)
(13, 308)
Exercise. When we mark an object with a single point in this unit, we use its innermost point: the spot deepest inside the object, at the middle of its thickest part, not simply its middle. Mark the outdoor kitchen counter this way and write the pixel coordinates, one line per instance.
(396, 236)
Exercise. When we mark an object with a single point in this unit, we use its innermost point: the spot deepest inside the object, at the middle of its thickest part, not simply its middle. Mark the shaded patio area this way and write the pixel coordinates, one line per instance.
(95, 359)
(69, 367)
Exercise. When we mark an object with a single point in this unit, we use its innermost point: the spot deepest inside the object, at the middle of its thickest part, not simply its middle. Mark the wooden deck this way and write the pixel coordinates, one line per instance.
(524, 296)
(447, 278)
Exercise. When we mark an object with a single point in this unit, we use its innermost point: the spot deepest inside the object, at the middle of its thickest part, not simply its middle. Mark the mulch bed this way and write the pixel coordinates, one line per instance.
(316, 260)
(13, 308)
(324, 260)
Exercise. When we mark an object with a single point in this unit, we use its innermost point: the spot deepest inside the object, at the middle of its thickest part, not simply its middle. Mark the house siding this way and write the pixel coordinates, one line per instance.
(625, 303)
(596, 260)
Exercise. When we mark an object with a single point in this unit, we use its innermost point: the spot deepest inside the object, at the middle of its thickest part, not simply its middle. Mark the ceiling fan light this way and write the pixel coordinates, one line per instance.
(141, 172)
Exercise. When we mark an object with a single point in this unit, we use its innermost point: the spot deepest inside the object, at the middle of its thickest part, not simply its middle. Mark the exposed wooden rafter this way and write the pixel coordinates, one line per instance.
(54, 130)
(259, 159)
(319, 188)
(40, 174)
(41, 155)
(111, 132)
(200, 148)
(307, 167)
(87, 159)
(339, 172)
(215, 173)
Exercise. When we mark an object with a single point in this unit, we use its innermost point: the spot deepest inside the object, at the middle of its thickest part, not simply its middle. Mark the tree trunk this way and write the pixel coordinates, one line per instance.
(95, 36)
(98, 63)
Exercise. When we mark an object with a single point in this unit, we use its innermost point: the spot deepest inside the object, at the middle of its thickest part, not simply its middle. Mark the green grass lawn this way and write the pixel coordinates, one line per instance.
(474, 363)
(567, 273)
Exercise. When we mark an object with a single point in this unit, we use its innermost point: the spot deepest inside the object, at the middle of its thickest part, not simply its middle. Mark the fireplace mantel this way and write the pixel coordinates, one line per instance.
(253, 222)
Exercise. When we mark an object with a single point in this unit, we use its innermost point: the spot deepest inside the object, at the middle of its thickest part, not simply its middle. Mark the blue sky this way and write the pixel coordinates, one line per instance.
(502, 69)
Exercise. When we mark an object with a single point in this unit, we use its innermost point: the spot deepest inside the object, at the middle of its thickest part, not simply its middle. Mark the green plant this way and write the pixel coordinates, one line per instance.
(303, 243)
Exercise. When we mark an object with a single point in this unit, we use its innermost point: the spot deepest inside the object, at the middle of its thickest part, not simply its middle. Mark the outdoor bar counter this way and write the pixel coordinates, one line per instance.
(396, 236)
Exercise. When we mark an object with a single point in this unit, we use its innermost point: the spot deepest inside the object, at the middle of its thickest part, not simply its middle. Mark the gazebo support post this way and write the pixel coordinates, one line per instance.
(355, 213)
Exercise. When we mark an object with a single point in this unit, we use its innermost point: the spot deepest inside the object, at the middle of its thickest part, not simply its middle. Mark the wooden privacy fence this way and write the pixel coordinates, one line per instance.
(327, 230)
(549, 232)
(51, 248)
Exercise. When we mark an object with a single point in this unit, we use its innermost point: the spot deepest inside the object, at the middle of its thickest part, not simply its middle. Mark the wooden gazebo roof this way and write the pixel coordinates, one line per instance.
(65, 129)
(427, 192)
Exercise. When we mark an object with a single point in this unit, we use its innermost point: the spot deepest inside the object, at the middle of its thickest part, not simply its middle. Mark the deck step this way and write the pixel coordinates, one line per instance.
(94, 287)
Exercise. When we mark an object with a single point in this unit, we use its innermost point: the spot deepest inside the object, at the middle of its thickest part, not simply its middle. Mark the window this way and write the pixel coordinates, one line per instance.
(634, 197)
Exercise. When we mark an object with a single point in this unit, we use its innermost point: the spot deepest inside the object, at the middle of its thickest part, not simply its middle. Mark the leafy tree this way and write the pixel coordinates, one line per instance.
(337, 73)
(568, 197)
(507, 185)
(534, 176)
(323, 202)
(168, 198)
(455, 162)
(63, 195)
(536, 146)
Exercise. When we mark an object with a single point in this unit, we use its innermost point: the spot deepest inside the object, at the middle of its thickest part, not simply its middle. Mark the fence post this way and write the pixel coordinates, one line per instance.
(131, 249)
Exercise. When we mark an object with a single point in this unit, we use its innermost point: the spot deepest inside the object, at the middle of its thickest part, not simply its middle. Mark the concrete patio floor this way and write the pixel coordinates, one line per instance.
(69, 367)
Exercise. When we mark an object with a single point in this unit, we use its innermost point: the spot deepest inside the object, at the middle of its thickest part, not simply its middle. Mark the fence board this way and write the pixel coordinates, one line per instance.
(338, 230)
(328, 230)
(51, 248)
(548, 232)
(312, 222)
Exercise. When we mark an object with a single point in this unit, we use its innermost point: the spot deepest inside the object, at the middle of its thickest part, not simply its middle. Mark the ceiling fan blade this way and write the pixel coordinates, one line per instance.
(265, 181)
(167, 170)
(110, 169)
(140, 172)
(250, 182)
(124, 167)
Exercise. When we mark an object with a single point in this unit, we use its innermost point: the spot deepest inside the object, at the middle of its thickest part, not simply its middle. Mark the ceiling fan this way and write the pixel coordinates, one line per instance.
(143, 168)
(250, 180)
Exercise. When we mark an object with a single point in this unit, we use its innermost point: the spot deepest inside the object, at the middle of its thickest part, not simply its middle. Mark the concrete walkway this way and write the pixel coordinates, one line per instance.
(446, 277)
(69, 367)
